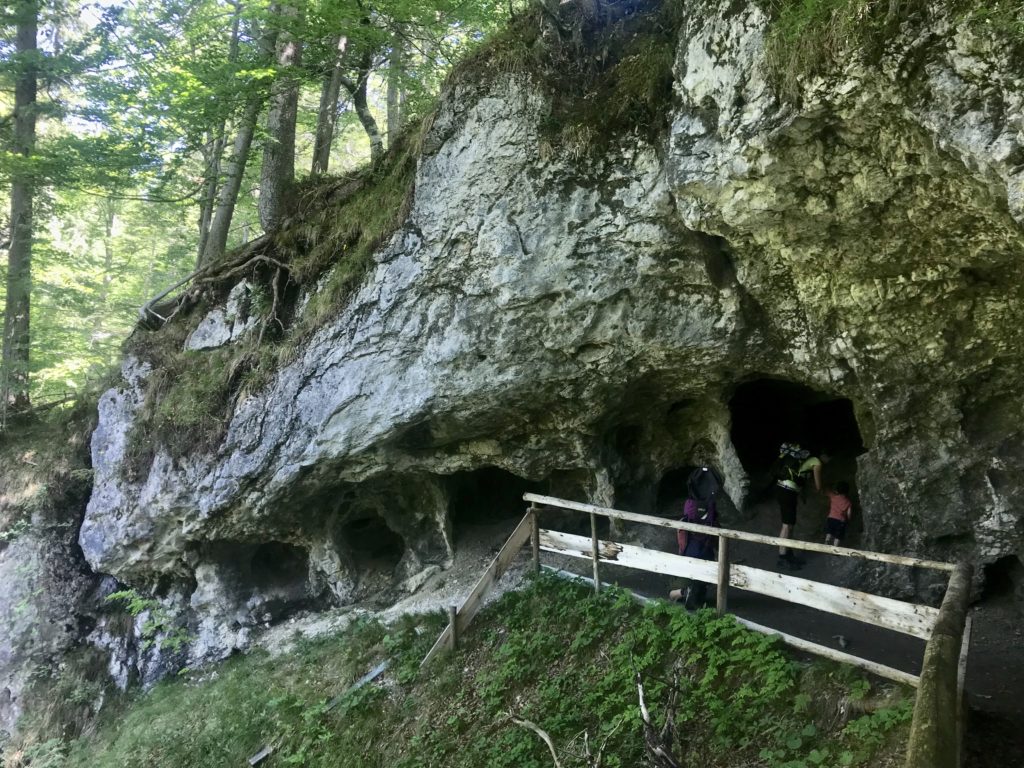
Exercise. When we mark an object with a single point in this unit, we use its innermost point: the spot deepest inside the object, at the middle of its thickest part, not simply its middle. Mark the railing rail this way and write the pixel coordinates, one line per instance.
(937, 729)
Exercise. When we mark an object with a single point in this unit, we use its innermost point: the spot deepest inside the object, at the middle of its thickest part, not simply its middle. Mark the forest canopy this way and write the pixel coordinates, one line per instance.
(140, 141)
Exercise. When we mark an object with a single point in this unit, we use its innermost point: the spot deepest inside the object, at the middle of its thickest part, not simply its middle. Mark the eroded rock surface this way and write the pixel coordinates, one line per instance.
(580, 326)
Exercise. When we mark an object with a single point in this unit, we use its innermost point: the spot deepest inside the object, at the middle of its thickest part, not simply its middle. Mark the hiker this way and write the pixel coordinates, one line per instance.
(701, 507)
(840, 510)
(792, 469)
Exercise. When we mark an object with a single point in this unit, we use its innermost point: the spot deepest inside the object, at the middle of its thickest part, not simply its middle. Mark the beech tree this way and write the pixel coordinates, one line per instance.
(19, 252)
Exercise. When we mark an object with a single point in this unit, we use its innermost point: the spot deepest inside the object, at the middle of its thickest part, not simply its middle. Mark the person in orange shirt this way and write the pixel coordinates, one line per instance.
(840, 510)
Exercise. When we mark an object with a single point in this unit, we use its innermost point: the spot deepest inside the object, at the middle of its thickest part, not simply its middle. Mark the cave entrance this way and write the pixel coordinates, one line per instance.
(280, 569)
(487, 495)
(1004, 578)
(372, 544)
(767, 412)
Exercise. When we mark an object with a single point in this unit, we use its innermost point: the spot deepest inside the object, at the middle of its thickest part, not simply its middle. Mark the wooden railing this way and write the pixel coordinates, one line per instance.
(945, 630)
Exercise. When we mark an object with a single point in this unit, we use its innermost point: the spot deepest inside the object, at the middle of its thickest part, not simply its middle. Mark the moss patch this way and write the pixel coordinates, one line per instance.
(607, 68)
(812, 37)
(553, 654)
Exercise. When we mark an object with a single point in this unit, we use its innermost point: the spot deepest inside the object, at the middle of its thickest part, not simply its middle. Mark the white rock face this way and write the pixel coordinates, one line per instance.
(584, 323)
(227, 325)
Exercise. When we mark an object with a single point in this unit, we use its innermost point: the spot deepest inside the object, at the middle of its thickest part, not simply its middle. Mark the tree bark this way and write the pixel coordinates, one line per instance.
(395, 90)
(234, 171)
(327, 117)
(357, 89)
(216, 156)
(278, 171)
(109, 212)
(15, 358)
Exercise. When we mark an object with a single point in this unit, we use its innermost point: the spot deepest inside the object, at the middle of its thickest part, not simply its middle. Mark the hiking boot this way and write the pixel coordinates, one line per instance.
(789, 562)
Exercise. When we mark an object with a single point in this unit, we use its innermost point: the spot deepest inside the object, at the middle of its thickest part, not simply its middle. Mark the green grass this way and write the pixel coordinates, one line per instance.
(553, 654)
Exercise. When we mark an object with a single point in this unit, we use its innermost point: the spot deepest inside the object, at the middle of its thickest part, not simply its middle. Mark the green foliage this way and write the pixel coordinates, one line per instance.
(554, 654)
(158, 623)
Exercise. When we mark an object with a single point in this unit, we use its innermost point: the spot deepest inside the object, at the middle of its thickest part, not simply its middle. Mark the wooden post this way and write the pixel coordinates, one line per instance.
(936, 726)
(593, 548)
(453, 634)
(723, 576)
(535, 536)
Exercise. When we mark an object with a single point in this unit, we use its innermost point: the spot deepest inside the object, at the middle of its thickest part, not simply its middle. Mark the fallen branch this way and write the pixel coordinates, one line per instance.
(540, 732)
(658, 743)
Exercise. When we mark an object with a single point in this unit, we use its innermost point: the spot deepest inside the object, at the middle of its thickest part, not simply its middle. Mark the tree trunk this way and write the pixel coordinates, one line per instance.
(234, 171)
(395, 95)
(19, 256)
(328, 114)
(109, 212)
(358, 91)
(213, 159)
(278, 171)
(210, 201)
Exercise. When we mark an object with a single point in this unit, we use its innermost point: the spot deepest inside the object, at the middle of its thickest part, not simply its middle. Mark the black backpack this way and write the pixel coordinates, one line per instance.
(787, 466)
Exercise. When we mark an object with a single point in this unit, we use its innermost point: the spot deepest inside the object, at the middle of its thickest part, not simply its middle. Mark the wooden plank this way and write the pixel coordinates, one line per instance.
(722, 597)
(593, 552)
(535, 536)
(831, 653)
(370, 676)
(629, 556)
(440, 644)
(453, 633)
(474, 602)
(728, 533)
(909, 618)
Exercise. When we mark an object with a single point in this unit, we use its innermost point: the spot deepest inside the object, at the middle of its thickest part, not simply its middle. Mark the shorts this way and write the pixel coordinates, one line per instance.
(787, 504)
(835, 528)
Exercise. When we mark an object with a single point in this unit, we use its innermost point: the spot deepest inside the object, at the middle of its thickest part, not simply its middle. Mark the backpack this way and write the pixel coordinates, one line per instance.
(703, 484)
(787, 466)
(702, 513)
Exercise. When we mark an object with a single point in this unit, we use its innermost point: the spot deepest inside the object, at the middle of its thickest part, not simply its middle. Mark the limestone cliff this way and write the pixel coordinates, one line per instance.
(580, 323)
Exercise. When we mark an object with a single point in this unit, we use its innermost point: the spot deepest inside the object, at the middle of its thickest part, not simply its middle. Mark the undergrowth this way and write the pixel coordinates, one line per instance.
(606, 68)
(812, 37)
(554, 654)
(46, 476)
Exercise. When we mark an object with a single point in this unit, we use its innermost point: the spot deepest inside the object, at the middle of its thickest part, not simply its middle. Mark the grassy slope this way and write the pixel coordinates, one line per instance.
(553, 654)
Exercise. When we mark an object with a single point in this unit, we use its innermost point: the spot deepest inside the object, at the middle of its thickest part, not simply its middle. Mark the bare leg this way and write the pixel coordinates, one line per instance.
(786, 533)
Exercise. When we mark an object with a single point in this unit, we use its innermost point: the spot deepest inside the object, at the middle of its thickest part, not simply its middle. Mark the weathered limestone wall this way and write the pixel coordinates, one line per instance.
(582, 323)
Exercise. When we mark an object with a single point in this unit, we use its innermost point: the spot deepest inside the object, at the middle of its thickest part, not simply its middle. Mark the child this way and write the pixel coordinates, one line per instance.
(840, 510)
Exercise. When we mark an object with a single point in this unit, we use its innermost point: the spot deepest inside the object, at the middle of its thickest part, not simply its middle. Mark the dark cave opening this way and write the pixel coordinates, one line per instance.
(767, 412)
(487, 495)
(280, 568)
(372, 543)
(1004, 577)
(672, 492)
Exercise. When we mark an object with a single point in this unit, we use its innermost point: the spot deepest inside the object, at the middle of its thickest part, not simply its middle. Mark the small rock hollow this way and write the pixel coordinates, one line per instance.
(373, 546)
(280, 569)
(1004, 578)
(672, 492)
(487, 495)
